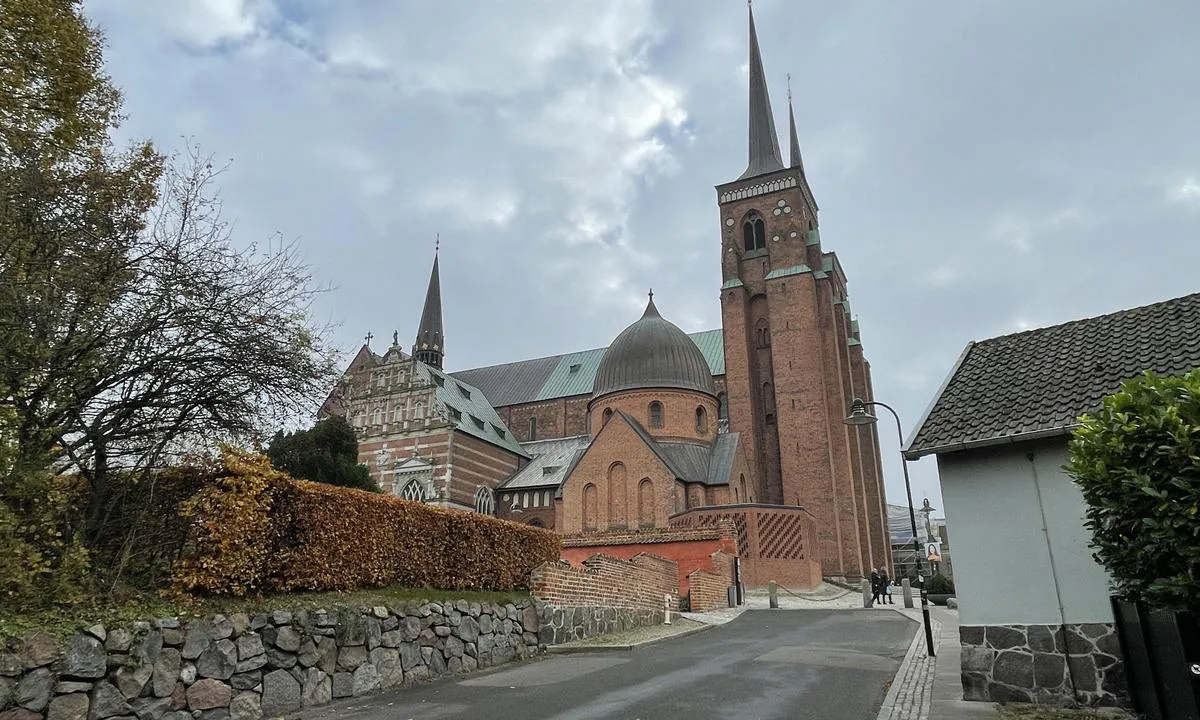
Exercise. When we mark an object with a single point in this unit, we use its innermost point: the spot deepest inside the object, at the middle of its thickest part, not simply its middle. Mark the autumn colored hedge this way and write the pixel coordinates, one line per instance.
(259, 530)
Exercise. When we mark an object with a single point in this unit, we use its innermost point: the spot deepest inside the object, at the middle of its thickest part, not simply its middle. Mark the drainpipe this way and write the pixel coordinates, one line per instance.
(1062, 613)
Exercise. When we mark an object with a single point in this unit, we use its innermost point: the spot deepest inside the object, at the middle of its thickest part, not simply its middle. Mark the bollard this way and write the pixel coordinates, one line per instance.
(866, 589)
(773, 593)
(666, 609)
(906, 589)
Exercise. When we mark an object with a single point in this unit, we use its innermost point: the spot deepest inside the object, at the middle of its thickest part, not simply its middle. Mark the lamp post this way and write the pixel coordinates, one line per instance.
(860, 416)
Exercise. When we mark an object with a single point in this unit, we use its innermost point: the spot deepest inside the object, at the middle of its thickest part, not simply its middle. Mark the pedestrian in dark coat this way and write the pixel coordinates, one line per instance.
(885, 584)
(875, 586)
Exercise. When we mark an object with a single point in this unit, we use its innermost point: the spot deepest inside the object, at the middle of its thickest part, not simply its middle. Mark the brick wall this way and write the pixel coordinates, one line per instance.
(689, 548)
(774, 542)
(605, 581)
(475, 463)
(678, 416)
(708, 590)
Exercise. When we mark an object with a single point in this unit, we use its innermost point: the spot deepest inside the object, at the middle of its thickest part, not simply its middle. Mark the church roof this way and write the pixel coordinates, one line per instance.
(705, 464)
(557, 376)
(652, 353)
(552, 461)
(468, 408)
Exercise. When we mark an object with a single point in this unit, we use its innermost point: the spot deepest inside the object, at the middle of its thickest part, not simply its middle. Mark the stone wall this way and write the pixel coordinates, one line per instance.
(1030, 663)
(564, 624)
(246, 667)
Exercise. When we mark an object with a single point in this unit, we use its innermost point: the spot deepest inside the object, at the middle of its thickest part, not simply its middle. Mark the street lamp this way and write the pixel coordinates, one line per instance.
(860, 416)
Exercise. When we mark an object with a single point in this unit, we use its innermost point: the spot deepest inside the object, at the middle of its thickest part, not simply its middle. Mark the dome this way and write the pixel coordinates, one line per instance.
(653, 353)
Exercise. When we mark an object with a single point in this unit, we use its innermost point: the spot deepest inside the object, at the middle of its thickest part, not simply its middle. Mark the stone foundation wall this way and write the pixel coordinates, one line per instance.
(247, 667)
(564, 624)
(1030, 663)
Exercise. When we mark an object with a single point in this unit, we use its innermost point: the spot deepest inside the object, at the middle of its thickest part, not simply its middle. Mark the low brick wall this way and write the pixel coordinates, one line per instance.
(775, 542)
(246, 667)
(709, 590)
(1039, 663)
(690, 548)
(605, 581)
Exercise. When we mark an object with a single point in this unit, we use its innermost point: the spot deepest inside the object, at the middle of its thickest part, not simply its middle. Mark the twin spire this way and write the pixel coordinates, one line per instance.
(764, 143)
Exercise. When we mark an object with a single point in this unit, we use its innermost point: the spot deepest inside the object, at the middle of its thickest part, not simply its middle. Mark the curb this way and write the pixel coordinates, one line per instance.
(572, 649)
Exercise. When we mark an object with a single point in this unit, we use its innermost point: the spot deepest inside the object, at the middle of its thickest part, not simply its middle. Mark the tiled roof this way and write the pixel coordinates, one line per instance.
(472, 407)
(552, 459)
(692, 463)
(560, 376)
(640, 537)
(1038, 382)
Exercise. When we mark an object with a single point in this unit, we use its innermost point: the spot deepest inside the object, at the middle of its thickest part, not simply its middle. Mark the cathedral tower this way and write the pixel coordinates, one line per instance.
(792, 354)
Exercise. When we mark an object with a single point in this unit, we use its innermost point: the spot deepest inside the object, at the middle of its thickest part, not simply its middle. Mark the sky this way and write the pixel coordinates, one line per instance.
(981, 167)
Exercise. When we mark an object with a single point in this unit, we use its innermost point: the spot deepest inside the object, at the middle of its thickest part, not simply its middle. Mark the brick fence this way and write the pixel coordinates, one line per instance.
(708, 590)
(604, 581)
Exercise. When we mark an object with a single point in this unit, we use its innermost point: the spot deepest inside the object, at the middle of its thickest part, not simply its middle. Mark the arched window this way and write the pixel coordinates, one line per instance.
(485, 502)
(762, 334)
(547, 499)
(414, 491)
(701, 420)
(377, 416)
(590, 503)
(656, 414)
(398, 412)
(617, 491)
(607, 416)
(754, 232)
(419, 411)
(722, 406)
(532, 429)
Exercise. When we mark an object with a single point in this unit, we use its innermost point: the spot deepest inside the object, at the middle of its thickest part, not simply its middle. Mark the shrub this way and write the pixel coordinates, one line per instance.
(260, 530)
(1137, 461)
(939, 584)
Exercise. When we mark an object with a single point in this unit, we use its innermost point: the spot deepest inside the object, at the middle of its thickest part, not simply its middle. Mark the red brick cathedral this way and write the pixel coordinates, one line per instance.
(624, 438)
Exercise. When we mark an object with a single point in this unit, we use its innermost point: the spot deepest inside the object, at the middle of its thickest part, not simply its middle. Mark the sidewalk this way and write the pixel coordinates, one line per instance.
(930, 688)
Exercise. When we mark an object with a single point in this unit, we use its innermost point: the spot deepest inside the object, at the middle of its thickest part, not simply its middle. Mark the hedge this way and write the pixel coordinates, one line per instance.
(259, 530)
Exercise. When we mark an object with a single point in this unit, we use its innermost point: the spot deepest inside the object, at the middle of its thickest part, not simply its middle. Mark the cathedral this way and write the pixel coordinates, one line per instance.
(623, 438)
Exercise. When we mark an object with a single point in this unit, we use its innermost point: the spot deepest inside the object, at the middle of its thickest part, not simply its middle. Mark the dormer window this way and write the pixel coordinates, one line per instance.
(574, 369)
(441, 381)
(754, 232)
(477, 421)
(464, 392)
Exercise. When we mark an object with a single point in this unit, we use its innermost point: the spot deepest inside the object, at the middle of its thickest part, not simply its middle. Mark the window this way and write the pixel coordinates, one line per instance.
(547, 498)
(722, 406)
(656, 414)
(762, 334)
(701, 420)
(574, 369)
(477, 421)
(398, 412)
(754, 232)
(419, 412)
(485, 502)
(532, 429)
(377, 416)
(413, 491)
(525, 500)
(463, 391)
(537, 499)
(607, 416)
(500, 431)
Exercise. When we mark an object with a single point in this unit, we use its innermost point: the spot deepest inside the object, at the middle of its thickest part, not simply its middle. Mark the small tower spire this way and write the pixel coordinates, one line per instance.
(764, 143)
(429, 347)
(796, 161)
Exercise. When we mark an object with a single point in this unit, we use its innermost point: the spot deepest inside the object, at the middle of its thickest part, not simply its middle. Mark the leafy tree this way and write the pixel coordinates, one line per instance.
(133, 328)
(327, 453)
(1137, 462)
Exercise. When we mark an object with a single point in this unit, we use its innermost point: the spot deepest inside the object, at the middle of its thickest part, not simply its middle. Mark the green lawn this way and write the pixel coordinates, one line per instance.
(66, 620)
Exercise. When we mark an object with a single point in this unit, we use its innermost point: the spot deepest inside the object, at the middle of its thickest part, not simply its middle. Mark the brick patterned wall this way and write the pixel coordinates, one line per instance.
(605, 581)
(774, 543)
(679, 413)
(475, 463)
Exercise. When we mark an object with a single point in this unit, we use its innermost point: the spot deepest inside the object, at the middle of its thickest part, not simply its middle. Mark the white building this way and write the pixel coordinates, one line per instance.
(999, 427)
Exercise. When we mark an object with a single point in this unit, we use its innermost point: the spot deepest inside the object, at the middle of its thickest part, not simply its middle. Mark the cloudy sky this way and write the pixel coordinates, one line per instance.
(982, 167)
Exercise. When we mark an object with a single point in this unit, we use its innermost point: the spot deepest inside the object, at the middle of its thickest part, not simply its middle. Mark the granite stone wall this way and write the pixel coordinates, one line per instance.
(1043, 664)
(564, 624)
(247, 667)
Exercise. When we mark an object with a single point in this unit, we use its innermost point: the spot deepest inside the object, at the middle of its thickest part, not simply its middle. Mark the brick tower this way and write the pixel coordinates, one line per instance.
(793, 357)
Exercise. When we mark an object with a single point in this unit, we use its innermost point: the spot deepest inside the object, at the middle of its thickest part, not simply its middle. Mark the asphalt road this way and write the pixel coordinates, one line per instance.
(795, 664)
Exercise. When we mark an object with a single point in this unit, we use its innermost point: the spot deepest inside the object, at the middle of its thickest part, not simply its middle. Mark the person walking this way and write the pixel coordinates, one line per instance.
(875, 587)
(885, 586)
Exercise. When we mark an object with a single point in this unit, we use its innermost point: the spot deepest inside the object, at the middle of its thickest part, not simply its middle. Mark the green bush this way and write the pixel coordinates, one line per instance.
(939, 584)
(1137, 462)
